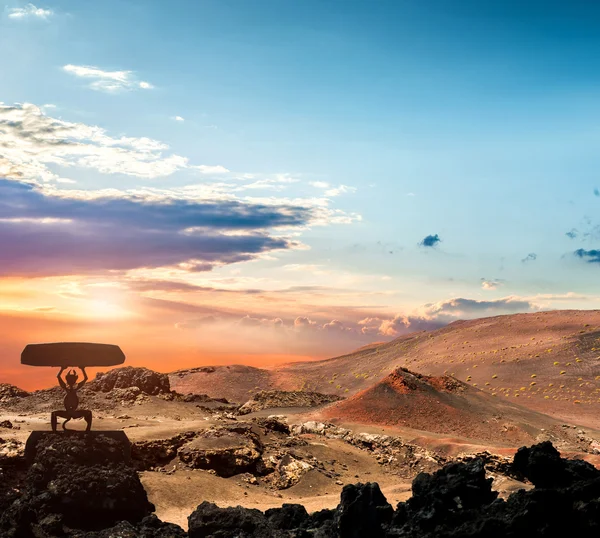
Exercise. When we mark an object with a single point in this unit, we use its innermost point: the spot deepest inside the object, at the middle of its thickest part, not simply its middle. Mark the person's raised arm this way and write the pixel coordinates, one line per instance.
(60, 379)
(85, 377)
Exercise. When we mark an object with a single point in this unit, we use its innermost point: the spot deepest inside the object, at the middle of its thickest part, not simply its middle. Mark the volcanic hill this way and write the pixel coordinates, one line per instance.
(546, 361)
(443, 405)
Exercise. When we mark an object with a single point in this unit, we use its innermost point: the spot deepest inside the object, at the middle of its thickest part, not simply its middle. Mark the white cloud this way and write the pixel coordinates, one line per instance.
(33, 144)
(32, 140)
(206, 169)
(107, 81)
(492, 284)
(341, 189)
(332, 191)
(178, 118)
(29, 11)
(434, 315)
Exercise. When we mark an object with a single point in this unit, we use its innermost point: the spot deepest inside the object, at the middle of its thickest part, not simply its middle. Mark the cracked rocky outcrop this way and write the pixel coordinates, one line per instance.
(9, 392)
(406, 459)
(456, 501)
(275, 423)
(11, 451)
(272, 399)
(76, 483)
(227, 450)
(148, 455)
(288, 471)
(71, 482)
(147, 381)
(493, 463)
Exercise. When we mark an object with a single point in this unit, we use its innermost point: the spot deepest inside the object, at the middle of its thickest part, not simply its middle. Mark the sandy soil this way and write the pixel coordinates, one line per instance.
(546, 361)
(176, 492)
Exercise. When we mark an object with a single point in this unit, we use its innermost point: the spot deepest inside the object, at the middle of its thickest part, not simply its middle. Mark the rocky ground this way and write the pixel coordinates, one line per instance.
(192, 453)
(83, 488)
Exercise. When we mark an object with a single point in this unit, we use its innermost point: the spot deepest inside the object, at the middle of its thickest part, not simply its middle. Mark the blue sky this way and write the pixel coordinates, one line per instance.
(381, 123)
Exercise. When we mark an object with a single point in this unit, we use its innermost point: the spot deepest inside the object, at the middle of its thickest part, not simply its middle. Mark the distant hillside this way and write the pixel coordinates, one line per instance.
(237, 383)
(443, 405)
(547, 361)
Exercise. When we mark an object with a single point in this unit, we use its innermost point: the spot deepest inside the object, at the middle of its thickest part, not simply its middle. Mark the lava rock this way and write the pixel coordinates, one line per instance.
(208, 520)
(9, 392)
(149, 527)
(271, 399)
(363, 511)
(288, 517)
(288, 472)
(542, 465)
(274, 425)
(147, 381)
(227, 450)
(157, 453)
(76, 482)
(455, 486)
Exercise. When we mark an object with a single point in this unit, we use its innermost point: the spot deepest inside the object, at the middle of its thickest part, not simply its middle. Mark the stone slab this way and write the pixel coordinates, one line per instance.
(72, 354)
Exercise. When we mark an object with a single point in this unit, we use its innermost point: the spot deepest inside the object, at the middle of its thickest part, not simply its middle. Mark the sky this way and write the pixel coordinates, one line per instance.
(216, 182)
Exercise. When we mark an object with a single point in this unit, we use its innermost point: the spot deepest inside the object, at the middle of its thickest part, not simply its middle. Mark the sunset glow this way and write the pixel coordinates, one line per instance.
(199, 208)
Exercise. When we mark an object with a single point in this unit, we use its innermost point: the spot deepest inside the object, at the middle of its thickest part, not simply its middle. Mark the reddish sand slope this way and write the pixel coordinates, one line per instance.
(443, 405)
(547, 361)
(237, 383)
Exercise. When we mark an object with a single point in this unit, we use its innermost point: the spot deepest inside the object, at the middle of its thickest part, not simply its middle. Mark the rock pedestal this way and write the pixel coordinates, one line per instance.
(122, 441)
(76, 481)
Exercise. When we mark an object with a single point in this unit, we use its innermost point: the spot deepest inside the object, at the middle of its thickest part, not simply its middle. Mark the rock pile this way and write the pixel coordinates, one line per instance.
(75, 485)
(456, 501)
(405, 458)
(9, 392)
(272, 399)
(10, 451)
(227, 450)
(147, 381)
(80, 491)
(150, 455)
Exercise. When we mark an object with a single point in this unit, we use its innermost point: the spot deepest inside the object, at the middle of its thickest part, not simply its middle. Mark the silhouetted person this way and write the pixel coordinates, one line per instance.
(71, 400)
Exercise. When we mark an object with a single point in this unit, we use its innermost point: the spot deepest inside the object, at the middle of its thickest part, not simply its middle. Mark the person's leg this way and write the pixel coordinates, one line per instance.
(54, 418)
(86, 415)
(68, 415)
(88, 418)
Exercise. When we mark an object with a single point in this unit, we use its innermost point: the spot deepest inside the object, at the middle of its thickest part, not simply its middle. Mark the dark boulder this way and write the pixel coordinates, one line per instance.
(363, 511)
(149, 527)
(542, 465)
(289, 516)
(455, 486)
(208, 520)
(76, 482)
